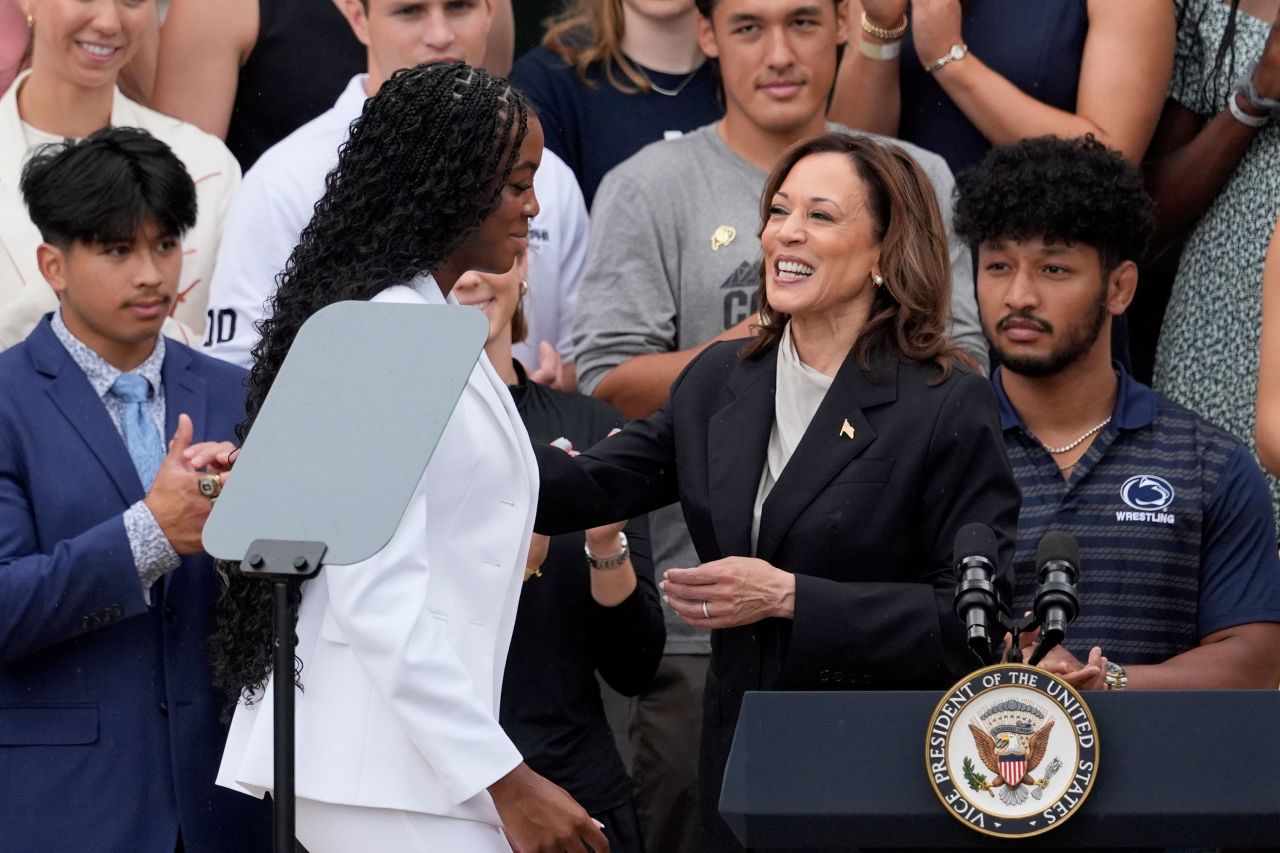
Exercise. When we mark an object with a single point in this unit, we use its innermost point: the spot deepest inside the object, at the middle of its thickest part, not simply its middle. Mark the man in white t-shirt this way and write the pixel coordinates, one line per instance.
(276, 200)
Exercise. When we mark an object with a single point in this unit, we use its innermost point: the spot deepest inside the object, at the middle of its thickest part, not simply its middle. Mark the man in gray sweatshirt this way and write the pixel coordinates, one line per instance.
(673, 265)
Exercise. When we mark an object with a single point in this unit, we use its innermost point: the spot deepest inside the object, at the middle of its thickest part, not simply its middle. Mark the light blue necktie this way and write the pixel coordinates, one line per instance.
(140, 433)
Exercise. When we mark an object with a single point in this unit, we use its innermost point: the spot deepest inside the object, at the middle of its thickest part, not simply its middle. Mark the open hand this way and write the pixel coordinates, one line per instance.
(735, 590)
(1060, 662)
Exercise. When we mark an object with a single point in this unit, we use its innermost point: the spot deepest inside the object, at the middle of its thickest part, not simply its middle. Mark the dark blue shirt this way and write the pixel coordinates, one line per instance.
(1037, 47)
(1174, 524)
(594, 128)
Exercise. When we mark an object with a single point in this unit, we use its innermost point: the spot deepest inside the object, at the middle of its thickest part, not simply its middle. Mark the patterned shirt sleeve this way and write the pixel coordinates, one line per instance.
(152, 553)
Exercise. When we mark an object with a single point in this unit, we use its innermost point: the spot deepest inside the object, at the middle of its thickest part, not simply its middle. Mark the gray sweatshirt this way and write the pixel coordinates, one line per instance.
(674, 260)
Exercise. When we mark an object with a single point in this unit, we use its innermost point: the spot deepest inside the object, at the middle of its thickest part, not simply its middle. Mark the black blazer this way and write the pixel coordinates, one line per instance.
(866, 523)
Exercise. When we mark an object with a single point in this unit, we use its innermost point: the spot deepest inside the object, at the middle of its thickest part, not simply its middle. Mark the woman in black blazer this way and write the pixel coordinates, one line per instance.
(825, 465)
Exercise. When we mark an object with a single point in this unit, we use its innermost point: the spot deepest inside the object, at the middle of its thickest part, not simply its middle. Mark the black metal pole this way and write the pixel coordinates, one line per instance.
(282, 668)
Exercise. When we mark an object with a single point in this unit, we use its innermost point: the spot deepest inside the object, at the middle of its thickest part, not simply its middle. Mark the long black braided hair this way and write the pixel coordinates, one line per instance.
(423, 166)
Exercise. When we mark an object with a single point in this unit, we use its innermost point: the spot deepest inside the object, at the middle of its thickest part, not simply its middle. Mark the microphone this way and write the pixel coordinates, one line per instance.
(1056, 604)
(975, 600)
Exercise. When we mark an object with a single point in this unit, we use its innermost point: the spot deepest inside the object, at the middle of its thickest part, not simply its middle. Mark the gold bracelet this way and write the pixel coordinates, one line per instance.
(882, 33)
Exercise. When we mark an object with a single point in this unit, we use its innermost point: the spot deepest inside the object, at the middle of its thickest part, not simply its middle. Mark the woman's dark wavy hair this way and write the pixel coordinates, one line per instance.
(911, 311)
(424, 165)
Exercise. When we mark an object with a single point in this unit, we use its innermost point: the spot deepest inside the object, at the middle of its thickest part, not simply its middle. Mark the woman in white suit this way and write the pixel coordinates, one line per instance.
(399, 746)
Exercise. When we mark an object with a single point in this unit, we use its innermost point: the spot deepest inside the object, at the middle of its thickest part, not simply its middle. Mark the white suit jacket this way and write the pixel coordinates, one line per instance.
(25, 296)
(403, 654)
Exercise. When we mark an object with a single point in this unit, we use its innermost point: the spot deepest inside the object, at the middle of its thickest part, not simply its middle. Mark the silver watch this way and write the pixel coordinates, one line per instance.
(954, 54)
(605, 563)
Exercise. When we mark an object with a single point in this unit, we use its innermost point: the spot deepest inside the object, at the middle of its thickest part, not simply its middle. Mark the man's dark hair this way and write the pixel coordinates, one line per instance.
(1068, 190)
(704, 7)
(103, 188)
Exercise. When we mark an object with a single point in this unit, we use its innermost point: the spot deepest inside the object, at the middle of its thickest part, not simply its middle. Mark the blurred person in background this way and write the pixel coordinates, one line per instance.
(79, 49)
(1214, 177)
(251, 72)
(958, 76)
(611, 76)
(280, 191)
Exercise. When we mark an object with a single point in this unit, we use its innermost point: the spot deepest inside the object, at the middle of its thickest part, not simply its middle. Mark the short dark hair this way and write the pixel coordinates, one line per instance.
(1072, 190)
(102, 188)
(706, 6)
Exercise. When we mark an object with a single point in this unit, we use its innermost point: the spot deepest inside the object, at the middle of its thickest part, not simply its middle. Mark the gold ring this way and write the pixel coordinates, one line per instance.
(210, 485)
(706, 614)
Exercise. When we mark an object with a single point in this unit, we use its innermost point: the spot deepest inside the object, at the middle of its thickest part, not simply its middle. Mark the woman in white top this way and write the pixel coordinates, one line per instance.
(402, 656)
(79, 48)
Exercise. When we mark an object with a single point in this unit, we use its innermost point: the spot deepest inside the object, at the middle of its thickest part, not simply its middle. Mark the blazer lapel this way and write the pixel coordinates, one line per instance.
(75, 398)
(184, 393)
(737, 441)
(838, 434)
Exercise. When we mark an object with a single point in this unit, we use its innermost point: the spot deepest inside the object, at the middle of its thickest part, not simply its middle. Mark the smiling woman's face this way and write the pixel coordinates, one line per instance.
(820, 248)
(504, 233)
(496, 294)
(87, 42)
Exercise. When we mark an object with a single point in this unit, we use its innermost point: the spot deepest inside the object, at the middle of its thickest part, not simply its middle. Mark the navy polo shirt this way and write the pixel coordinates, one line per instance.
(1177, 538)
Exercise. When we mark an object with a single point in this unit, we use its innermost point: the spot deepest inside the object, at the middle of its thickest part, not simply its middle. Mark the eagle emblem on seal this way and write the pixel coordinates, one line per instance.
(1012, 742)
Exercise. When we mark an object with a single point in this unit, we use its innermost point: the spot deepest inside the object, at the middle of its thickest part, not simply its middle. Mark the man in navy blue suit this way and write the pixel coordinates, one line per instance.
(109, 730)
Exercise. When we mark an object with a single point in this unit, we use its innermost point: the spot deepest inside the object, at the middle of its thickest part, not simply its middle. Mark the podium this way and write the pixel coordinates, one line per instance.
(1175, 769)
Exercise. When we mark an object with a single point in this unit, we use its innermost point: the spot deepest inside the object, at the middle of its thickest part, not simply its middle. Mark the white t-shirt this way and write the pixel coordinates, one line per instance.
(276, 201)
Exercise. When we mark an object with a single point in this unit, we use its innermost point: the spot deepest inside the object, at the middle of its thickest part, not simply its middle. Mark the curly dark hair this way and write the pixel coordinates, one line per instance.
(911, 312)
(1073, 190)
(423, 166)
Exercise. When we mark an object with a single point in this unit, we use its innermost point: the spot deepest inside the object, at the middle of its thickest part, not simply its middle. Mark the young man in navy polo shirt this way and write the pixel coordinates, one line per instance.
(1180, 585)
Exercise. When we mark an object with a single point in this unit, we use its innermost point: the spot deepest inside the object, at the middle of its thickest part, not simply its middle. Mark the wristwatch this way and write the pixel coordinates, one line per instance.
(955, 54)
(1115, 677)
(605, 563)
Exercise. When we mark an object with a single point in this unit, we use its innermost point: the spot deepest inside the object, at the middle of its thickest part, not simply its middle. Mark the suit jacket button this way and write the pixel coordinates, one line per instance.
(170, 614)
(825, 675)
(164, 708)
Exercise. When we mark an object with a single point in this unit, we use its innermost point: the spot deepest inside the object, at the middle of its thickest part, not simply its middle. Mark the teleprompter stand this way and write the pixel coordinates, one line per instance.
(335, 454)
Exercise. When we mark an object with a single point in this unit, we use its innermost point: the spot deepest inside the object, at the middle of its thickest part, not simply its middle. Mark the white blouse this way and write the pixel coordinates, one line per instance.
(800, 390)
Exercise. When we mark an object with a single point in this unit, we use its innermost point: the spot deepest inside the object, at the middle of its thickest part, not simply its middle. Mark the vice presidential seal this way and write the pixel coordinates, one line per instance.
(1012, 751)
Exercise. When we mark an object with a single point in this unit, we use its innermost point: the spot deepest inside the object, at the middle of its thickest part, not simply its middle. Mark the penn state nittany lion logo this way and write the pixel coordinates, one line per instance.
(1012, 751)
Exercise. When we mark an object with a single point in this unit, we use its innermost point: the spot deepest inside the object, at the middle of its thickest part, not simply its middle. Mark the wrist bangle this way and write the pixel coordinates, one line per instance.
(880, 50)
(955, 53)
(1249, 89)
(1243, 117)
(888, 34)
(606, 563)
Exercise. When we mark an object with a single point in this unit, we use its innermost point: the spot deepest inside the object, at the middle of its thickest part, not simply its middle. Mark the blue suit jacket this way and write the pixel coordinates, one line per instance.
(109, 733)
